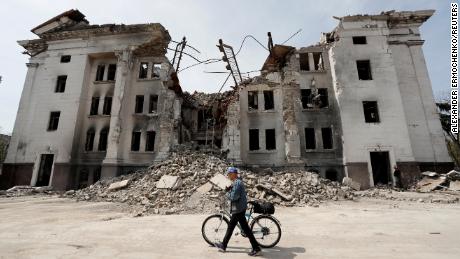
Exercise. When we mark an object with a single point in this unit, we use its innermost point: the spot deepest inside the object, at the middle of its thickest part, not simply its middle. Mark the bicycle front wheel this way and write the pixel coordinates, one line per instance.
(214, 228)
(266, 230)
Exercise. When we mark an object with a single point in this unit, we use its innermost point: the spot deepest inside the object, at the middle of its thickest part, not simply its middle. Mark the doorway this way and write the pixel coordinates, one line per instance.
(381, 171)
(44, 172)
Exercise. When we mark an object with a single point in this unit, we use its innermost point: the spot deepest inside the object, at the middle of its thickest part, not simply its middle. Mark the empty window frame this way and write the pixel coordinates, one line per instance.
(136, 141)
(94, 106)
(143, 70)
(253, 139)
(89, 140)
(65, 58)
(60, 84)
(100, 73)
(103, 136)
(323, 101)
(269, 102)
(359, 40)
(150, 141)
(111, 72)
(318, 60)
(253, 100)
(153, 103)
(139, 108)
(54, 121)
(270, 139)
(310, 140)
(305, 97)
(304, 62)
(326, 134)
(371, 111)
(364, 69)
(106, 110)
(156, 70)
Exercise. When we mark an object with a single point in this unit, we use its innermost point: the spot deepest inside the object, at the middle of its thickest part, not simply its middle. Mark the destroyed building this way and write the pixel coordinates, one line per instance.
(103, 100)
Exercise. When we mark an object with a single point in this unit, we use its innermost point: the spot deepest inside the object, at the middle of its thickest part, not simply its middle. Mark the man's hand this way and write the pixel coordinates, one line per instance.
(229, 188)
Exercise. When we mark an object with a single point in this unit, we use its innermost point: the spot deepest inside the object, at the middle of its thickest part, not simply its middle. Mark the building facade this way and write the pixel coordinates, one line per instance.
(103, 100)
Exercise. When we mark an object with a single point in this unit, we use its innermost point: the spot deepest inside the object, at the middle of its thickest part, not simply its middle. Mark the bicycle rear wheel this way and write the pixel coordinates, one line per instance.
(214, 228)
(266, 230)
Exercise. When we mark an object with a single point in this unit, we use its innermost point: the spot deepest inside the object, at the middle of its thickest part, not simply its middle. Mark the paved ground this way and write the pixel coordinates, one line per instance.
(44, 227)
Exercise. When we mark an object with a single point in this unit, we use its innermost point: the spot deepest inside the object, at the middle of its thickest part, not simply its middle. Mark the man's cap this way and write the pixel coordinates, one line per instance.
(232, 170)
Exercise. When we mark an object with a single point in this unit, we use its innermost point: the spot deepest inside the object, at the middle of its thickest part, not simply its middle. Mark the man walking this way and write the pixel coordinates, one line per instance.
(238, 205)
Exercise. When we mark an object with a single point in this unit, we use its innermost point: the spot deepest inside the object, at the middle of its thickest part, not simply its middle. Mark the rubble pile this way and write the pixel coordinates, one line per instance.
(192, 182)
(22, 190)
(434, 181)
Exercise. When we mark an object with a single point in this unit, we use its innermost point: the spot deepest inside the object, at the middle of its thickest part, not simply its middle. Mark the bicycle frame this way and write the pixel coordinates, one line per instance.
(249, 218)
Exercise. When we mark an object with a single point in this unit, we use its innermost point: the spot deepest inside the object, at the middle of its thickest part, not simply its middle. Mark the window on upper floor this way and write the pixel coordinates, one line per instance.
(107, 109)
(89, 140)
(270, 139)
(100, 73)
(359, 40)
(150, 141)
(143, 70)
(304, 62)
(54, 121)
(269, 102)
(326, 134)
(136, 141)
(364, 69)
(253, 139)
(153, 103)
(111, 72)
(60, 84)
(371, 112)
(156, 70)
(139, 107)
(103, 136)
(65, 58)
(310, 140)
(253, 100)
(94, 106)
(314, 98)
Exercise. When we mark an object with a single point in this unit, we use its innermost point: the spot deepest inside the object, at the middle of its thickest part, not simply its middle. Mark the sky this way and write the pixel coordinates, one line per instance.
(204, 22)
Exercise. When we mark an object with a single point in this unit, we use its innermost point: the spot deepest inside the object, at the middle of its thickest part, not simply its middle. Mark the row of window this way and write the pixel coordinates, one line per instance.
(106, 109)
(153, 104)
(103, 136)
(111, 72)
(310, 98)
(135, 140)
(270, 139)
(144, 70)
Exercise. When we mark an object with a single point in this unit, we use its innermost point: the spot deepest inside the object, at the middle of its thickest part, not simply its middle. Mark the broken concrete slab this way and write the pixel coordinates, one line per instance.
(430, 174)
(221, 181)
(269, 189)
(118, 185)
(169, 182)
(453, 175)
(454, 186)
(205, 188)
(282, 195)
(347, 181)
(428, 184)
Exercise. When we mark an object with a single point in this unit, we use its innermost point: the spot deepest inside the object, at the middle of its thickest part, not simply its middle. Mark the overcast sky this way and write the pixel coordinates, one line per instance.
(204, 22)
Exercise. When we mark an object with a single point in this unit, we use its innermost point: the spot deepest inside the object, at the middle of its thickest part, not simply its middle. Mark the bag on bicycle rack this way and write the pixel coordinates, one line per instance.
(262, 207)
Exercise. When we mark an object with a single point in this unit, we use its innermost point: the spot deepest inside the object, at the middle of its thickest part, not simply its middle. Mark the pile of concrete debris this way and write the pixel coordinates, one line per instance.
(434, 181)
(22, 190)
(193, 182)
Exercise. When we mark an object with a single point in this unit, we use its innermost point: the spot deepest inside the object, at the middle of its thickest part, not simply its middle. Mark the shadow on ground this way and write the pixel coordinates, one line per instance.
(275, 252)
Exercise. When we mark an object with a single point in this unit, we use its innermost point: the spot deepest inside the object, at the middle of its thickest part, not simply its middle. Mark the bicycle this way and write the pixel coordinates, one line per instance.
(265, 227)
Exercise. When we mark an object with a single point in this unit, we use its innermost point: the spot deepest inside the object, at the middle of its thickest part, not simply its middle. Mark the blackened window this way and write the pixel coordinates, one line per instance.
(150, 141)
(94, 106)
(359, 40)
(65, 59)
(107, 105)
(103, 135)
(270, 139)
(326, 134)
(111, 72)
(304, 62)
(310, 140)
(364, 69)
(54, 121)
(135, 141)
(253, 139)
(156, 70)
(139, 108)
(89, 140)
(371, 111)
(60, 84)
(100, 72)
(143, 70)
(306, 98)
(269, 102)
(252, 100)
(318, 60)
(323, 98)
(153, 103)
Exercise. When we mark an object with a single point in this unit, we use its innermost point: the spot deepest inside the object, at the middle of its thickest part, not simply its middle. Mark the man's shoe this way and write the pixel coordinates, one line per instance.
(220, 246)
(255, 253)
